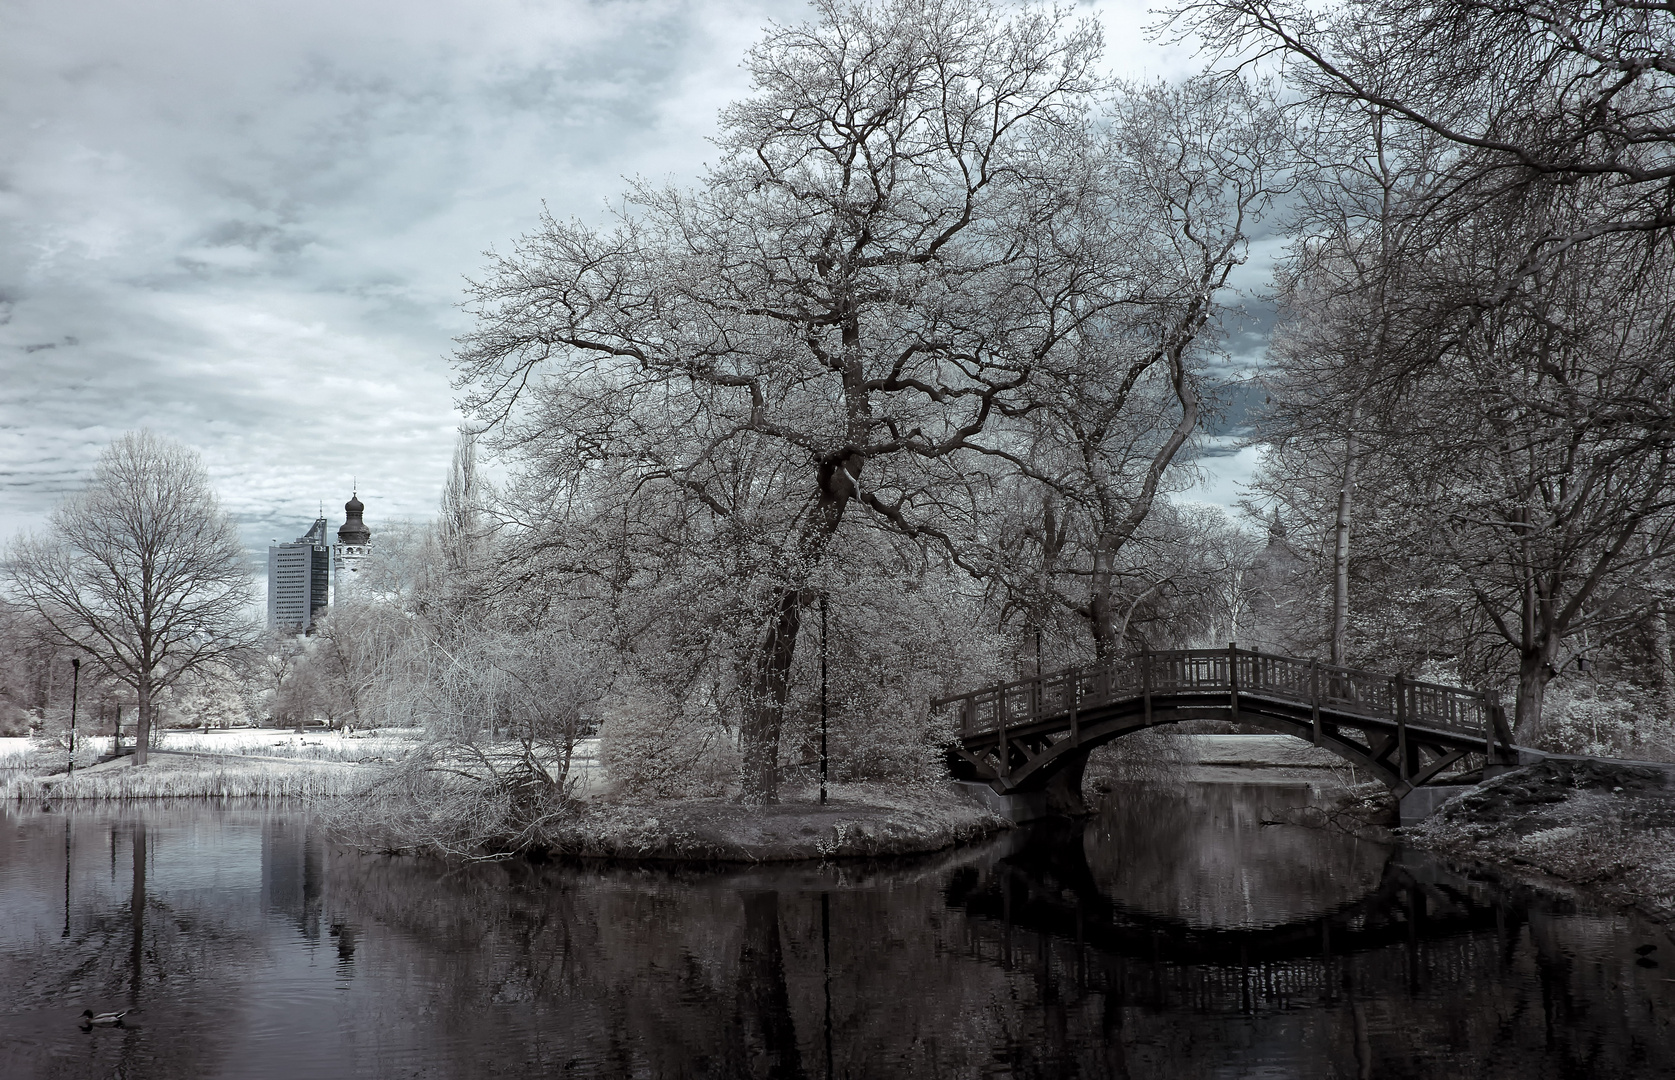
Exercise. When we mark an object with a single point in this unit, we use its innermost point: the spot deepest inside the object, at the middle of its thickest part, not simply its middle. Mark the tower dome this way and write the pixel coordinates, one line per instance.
(354, 531)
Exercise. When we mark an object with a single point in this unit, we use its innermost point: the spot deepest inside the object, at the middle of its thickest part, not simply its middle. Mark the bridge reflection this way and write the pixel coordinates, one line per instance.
(1041, 908)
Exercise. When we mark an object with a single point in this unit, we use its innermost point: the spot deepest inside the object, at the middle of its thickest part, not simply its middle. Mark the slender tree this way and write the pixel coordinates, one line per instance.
(142, 570)
(1197, 164)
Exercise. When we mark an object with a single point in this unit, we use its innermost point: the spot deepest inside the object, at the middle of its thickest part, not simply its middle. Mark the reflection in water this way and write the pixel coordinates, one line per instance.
(293, 866)
(1174, 936)
(1201, 853)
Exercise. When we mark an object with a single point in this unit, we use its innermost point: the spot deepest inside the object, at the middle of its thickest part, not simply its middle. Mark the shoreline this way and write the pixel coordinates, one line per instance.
(861, 821)
(1604, 832)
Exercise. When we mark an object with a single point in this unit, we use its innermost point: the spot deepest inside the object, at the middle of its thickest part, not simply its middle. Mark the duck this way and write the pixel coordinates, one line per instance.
(89, 1018)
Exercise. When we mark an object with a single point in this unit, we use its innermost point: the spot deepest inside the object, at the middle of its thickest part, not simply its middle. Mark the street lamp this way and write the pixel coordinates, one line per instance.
(75, 692)
(822, 699)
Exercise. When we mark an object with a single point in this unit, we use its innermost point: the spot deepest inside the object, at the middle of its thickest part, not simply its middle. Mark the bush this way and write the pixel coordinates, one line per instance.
(651, 747)
(15, 721)
(1607, 719)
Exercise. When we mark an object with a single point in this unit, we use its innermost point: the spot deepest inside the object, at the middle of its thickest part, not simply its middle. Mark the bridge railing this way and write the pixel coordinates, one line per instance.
(1229, 671)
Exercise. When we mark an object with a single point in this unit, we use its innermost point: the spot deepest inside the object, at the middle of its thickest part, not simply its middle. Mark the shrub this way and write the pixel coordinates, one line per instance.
(652, 747)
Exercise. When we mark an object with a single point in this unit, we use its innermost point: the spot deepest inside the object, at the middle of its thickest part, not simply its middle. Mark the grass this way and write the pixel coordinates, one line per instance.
(211, 780)
(239, 763)
(861, 820)
(371, 747)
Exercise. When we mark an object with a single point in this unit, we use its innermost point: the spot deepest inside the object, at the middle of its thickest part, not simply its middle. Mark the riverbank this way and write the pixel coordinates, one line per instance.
(857, 821)
(1604, 827)
(1603, 830)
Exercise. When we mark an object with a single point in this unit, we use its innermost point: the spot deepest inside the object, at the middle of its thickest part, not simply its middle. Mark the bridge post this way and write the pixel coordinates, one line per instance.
(1146, 680)
(1233, 678)
(1314, 697)
(1488, 732)
(1073, 696)
(1000, 726)
(1401, 726)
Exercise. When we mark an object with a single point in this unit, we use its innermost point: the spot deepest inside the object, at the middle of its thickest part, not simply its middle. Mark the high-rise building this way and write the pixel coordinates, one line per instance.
(300, 580)
(303, 575)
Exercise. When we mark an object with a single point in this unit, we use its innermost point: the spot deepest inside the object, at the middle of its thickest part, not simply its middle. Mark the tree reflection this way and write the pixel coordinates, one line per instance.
(769, 1045)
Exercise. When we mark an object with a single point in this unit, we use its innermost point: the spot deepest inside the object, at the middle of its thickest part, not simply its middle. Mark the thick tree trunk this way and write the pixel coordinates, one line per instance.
(764, 711)
(1538, 643)
(1100, 608)
(1535, 670)
(142, 723)
(1340, 548)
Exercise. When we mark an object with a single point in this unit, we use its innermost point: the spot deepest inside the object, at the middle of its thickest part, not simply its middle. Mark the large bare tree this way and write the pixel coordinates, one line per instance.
(142, 570)
(904, 224)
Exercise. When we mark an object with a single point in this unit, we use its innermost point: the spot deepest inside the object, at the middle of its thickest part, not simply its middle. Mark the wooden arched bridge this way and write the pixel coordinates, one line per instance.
(1029, 739)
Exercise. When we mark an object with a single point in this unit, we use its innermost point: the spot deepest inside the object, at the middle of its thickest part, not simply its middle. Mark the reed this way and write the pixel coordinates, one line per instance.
(214, 777)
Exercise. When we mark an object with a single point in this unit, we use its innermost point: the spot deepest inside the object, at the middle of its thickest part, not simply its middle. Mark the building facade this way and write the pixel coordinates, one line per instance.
(303, 575)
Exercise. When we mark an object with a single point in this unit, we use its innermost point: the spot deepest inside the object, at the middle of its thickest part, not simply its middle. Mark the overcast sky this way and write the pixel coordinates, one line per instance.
(245, 224)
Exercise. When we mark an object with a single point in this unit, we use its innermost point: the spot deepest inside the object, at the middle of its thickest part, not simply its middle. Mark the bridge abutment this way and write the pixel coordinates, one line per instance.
(1017, 808)
(1421, 802)
(1064, 788)
(1060, 797)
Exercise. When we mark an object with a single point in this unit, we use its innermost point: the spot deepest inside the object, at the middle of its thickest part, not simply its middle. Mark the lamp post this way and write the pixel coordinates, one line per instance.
(822, 699)
(75, 692)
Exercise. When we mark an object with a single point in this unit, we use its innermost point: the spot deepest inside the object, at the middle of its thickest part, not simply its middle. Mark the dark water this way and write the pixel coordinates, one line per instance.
(1174, 936)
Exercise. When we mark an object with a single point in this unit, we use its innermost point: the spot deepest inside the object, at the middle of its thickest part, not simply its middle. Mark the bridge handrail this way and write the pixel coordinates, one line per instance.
(1245, 671)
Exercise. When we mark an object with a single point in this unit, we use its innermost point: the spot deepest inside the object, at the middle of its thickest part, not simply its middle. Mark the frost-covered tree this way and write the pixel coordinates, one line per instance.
(903, 224)
(916, 219)
(142, 570)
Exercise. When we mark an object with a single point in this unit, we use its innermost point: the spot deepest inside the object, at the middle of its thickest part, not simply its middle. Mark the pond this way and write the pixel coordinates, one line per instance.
(1172, 935)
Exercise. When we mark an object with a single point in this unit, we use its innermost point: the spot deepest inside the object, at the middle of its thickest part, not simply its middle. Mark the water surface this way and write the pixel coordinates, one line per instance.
(1173, 935)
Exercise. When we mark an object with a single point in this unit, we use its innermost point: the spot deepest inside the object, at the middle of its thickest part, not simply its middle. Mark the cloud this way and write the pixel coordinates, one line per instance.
(246, 225)
(1224, 468)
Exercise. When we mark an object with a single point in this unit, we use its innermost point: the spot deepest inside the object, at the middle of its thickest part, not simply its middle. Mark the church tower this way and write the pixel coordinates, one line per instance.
(354, 539)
